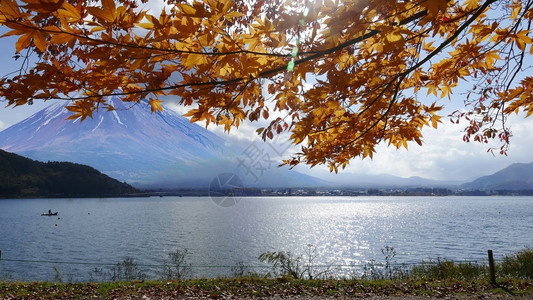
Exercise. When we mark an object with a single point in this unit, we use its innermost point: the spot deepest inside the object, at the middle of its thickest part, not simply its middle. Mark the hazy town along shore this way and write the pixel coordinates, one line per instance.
(332, 191)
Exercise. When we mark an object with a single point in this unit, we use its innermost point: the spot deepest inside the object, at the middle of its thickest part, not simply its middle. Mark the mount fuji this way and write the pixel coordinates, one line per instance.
(133, 145)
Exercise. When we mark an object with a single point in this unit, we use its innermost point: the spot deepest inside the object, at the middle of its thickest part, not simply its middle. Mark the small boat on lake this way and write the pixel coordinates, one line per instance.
(49, 214)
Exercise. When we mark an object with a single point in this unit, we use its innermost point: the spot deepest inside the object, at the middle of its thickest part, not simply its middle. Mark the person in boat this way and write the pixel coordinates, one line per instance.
(49, 211)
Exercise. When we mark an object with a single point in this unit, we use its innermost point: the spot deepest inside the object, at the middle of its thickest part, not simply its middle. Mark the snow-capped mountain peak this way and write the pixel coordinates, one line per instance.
(129, 143)
(134, 145)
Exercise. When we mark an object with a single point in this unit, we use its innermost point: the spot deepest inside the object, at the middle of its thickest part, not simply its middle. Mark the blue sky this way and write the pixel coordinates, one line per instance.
(443, 156)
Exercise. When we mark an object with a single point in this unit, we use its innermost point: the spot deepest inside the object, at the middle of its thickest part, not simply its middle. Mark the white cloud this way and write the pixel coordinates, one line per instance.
(444, 155)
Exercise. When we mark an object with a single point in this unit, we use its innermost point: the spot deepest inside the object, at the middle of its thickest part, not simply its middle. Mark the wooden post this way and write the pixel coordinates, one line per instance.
(492, 268)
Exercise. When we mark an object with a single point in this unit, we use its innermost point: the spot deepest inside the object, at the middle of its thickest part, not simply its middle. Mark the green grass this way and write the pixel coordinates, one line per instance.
(515, 266)
(518, 265)
(450, 270)
(439, 278)
(262, 287)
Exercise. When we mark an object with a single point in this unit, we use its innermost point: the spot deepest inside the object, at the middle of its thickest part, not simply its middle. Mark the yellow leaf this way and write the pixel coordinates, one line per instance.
(432, 89)
(101, 14)
(523, 35)
(515, 11)
(446, 91)
(521, 44)
(23, 42)
(97, 28)
(109, 6)
(394, 36)
(471, 4)
(225, 70)
(187, 9)
(434, 7)
(205, 39)
(193, 60)
(11, 32)
(39, 41)
(428, 46)
(368, 152)
(69, 10)
(155, 105)
(137, 64)
(74, 116)
(146, 25)
(10, 9)
(435, 120)
(191, 113)
(233, 14)
(51, 29)
(491, 57)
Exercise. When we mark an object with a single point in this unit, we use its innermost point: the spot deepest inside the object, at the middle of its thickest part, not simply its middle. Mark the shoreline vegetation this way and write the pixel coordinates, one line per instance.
(253, 287)
(293, 276)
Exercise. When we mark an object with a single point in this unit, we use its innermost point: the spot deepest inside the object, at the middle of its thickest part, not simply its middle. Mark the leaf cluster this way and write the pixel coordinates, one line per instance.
(341, 76)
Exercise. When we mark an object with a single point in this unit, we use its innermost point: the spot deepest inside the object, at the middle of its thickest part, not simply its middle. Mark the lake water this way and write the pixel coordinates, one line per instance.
(344, 230)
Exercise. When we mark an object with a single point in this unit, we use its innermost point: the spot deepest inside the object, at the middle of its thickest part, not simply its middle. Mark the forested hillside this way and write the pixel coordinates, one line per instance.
(21, 177)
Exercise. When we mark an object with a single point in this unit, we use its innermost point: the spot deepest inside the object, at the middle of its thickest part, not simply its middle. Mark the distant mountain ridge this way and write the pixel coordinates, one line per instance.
(133, 145)
(517, 176)
(361, 180)
(23, 177)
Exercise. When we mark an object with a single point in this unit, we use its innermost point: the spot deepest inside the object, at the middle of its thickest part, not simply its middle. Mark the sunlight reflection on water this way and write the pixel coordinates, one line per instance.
(345, 230)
